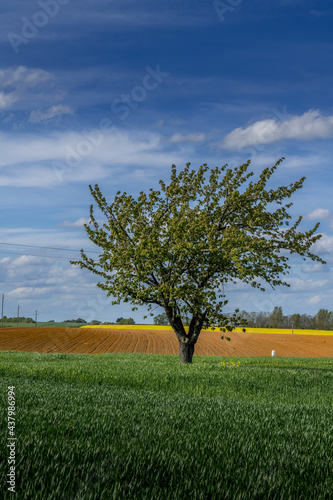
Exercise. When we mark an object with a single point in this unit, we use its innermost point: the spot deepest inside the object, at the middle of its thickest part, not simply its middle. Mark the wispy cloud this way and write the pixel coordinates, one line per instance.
(319, 213)
(22, 77)
(31, 160)
(37, 116)
(311, 125)
(120, 14)
(27, 291)
(195, 138)
(6, 100)
(16, 82)
(324, 246)
(315, 300)
(298, 284)
(78, 223)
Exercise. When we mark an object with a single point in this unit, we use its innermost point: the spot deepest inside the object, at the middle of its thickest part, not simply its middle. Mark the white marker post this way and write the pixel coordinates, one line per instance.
(273, 353)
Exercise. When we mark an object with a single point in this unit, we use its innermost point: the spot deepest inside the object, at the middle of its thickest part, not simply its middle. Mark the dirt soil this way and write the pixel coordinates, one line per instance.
(95, 341)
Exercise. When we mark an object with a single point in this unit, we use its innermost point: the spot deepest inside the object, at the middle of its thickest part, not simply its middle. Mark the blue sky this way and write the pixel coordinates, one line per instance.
(114, 92)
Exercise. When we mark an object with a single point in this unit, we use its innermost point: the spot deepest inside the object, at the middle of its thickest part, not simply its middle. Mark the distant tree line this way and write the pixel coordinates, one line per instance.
(323, 320)
(20, 319)
(119, 321)
(125, 321)
(78, 320)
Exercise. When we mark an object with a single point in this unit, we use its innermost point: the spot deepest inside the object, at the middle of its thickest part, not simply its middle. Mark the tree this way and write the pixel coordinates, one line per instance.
(276, 317)
(295, 320)
(78, 320)
(306, 321)
(126, 321)
(323, 320)
(161, 319)
(20, 319)
(179, 246)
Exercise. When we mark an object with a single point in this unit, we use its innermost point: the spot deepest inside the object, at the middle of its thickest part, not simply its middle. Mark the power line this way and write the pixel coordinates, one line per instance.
(88, 251)
(34, 255)
(45, 248)
(292, 266)
(51, 285)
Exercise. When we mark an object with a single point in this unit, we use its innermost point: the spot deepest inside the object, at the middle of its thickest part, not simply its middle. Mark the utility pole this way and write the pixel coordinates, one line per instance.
(18, 314)
(2, 303)
(36, 314)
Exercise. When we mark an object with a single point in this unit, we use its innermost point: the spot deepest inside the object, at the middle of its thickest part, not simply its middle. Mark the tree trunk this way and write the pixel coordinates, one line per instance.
(186, 350)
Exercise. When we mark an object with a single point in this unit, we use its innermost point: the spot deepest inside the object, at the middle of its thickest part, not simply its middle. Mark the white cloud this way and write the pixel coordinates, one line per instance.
(301, 284)
(319, 213)
(323, 246)
(265, 158)
(24, 271)
(78, 223)
(24, 261)
(31, 160)
(21, 76)
(315, 299)
(17, 80)
(310, 125)
(6, 100)
(37, 116)
(27, 291)
(39, 282)
(196, 137)
(27, 273)
(317, 267)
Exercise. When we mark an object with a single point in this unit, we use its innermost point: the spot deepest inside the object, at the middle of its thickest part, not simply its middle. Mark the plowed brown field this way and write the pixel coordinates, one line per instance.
(94, 341)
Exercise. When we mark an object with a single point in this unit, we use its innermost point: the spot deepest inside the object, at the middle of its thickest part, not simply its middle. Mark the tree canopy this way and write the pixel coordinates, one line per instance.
(179, 246)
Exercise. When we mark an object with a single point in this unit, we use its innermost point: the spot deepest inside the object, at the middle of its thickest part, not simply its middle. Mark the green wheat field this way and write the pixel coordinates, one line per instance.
(142, 426)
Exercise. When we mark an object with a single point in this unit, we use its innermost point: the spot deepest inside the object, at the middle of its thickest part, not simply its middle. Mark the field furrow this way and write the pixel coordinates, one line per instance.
(80, 340)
